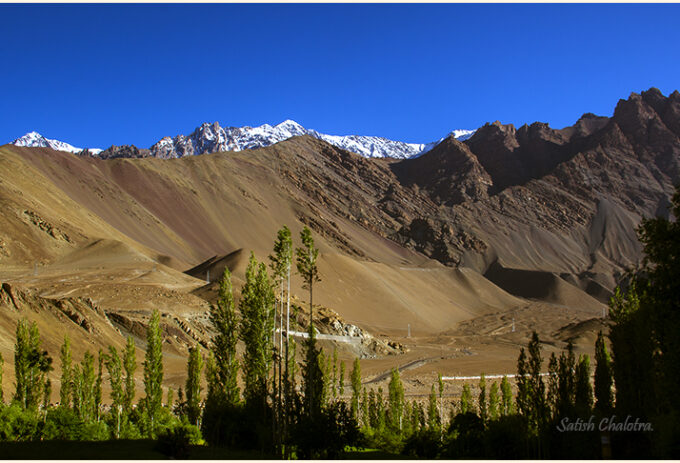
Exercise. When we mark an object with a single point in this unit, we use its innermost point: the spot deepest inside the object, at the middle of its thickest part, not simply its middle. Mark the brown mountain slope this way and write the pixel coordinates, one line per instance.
(402, 242)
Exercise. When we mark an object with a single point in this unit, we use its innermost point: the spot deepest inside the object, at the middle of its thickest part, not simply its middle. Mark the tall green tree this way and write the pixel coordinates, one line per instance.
(98, 384)
(224, 321)
(632, 352)
(553, 384)
(307, 256)
(2, 364)
(66, 378)
(86, 384)
(583, 391)
(356, 387)
(22, 352)
(566, 385)
(31, 365)
(281, 262)
(334, 381)
(341, 381)
(130, 365)
(193, 385)
(659, 315)
(115, 370)
(604, 400)
(531, 398)
(507, 406)
(494, 401)
(483, 410)
(47, 394)
(257, 310)
(77, 392)
(466, 399)
(433, 419)
(396, 401)
(153, 372)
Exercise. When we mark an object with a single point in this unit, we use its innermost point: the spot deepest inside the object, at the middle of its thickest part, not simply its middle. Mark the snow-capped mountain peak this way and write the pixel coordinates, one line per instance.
(34, 139)
(211, 138)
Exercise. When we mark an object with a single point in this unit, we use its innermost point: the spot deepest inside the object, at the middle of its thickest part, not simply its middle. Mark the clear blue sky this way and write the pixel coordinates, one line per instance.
(96, 75)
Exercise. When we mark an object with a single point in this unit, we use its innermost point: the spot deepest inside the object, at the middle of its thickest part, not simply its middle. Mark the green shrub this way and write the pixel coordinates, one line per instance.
(18, 424)
(62, 423)
(175, 442)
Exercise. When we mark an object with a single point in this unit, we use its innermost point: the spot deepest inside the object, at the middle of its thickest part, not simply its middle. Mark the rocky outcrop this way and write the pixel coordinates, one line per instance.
(124, 151)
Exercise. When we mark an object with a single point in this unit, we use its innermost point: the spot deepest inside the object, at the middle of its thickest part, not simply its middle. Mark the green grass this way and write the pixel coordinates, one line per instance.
(112, 450)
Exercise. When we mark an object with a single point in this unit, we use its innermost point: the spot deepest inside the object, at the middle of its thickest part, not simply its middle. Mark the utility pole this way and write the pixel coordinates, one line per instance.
(513, 324)
(409, 331)
(207, 276)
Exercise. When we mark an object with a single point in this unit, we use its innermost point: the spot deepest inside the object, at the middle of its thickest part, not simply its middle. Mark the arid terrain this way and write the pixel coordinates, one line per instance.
(469, 247)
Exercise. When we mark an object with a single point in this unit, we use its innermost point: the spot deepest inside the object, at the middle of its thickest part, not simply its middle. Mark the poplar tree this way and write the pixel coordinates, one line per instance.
(482, 398)
(313, 375)
(507, 407)
(494, 400)
(77, 393)
(433, 421)
(2, 396)
(224, 321)
(130, 365)
(256, 305)
(22, 350)
(603, 377)
(307, 256)
(328, 384)
(356, 388)
(47, 394)
(396, 401)
(583, 390)
(553, 384)
(523, 392)
(153, 371)
(566, 387)
(633, 352)
(466, 399)
(281, 265)
(66, 374)
(98, 385)
(193, 385)
(531, 399)
(341, 382)
(380, 409)
(364, 408)
(31, 365)
(87, 388)
(114, 368)
(334, 382)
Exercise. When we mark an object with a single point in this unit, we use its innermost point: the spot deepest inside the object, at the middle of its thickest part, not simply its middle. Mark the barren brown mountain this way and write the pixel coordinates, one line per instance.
(471, 245)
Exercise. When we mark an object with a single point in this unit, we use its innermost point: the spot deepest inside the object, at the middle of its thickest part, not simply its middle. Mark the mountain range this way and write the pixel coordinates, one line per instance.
(471, 245)
(211, 138)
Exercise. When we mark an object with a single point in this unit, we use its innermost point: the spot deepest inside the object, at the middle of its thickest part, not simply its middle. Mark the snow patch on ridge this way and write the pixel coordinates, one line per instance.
(34, 139)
